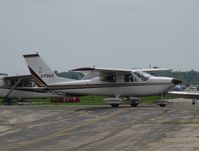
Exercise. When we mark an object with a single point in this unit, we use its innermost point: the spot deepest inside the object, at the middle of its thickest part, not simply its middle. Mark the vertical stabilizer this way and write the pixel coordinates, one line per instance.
(42, 74)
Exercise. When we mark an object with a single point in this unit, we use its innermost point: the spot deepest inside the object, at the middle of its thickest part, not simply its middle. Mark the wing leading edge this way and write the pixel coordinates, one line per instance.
(183, 94)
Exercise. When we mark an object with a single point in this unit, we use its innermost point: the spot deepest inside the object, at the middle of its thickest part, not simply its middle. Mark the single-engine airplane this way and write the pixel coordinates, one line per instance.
(114, 83)
(20, 87)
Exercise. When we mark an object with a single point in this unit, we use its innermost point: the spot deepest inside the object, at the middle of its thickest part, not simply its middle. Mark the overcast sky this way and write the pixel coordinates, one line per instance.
(105, 33)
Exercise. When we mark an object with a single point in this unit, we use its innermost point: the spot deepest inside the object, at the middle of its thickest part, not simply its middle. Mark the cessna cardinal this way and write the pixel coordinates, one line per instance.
(114, 83)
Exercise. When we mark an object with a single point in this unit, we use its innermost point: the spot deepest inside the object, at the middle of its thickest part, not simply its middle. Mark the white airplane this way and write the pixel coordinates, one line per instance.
(183, 94)
(20, 87)
(114, 83)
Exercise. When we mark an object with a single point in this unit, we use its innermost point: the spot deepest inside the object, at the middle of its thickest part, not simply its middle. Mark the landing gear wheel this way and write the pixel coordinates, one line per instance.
(194, 101)
(134, 104)
(7, 102)
(162, 105)
(115, 105)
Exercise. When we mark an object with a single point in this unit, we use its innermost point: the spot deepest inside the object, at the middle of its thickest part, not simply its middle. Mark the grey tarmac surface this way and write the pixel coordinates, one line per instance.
(100, 128)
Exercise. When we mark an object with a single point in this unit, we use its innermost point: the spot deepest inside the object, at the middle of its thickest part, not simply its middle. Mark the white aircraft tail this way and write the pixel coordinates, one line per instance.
(41, 73)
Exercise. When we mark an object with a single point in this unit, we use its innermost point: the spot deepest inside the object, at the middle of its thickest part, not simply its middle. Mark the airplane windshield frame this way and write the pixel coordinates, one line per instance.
(142, 75)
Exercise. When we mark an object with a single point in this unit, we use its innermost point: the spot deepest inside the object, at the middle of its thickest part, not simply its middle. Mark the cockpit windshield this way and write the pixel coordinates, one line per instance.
(142, 75)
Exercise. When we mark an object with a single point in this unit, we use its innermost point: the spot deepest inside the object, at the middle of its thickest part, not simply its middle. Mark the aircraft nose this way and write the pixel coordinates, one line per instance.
(176, 81)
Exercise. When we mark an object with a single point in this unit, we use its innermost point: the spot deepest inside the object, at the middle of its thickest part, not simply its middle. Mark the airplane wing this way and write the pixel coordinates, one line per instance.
(116, 71)
(184, 94)
(22, 77)
(105, 71)
(12, 80)
(25, 79)
(154, 69)
(39, 89)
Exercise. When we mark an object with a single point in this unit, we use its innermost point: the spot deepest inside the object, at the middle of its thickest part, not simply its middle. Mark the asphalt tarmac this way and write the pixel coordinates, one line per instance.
(100, 128)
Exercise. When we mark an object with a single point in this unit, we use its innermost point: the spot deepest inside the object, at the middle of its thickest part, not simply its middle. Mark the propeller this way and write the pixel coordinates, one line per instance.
(176, 81)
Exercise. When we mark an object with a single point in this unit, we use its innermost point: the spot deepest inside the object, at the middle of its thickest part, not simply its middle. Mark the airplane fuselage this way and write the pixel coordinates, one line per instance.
(153, 86)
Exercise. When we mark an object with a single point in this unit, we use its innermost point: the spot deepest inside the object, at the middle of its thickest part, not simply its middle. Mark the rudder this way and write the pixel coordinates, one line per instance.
(42, 74)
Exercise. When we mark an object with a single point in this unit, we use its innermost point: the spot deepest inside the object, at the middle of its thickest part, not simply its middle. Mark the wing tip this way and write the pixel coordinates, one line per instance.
(83, 69)
(31, 55)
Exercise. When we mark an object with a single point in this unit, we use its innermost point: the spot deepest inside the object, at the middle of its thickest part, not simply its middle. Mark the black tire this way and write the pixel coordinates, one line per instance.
(162, 105)
(193, 102)
(115, 105)
(7, 102)
(134, 104)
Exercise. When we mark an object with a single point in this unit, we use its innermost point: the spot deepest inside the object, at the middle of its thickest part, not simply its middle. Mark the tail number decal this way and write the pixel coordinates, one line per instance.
(47, 75)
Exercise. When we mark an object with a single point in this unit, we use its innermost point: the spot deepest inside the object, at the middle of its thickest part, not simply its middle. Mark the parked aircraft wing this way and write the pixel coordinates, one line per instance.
(25, 79)
(22, 77)
(19, 78)
(184, 94)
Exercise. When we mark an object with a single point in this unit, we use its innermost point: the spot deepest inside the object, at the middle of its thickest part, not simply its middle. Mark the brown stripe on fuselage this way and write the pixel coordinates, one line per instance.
(39, 83)
(87, 86)
(37, 78)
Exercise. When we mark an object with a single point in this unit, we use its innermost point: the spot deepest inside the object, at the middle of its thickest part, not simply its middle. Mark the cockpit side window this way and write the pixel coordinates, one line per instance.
(129, 78)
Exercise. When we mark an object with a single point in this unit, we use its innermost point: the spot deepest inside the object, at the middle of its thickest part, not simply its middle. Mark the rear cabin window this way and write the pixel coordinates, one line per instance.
(111, 78)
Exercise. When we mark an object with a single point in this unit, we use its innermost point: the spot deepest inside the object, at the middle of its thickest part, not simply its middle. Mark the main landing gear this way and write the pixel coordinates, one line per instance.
(114, 105)
(7, 102)
(133, 101)
(115, 102)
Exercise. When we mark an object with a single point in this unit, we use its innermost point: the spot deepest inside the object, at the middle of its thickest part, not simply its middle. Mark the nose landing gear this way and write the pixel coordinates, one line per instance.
(194, 101)
(161, 103)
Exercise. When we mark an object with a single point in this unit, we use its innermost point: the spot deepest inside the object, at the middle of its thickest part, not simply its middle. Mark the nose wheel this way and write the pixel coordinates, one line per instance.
(194, 101)
(161, 103)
